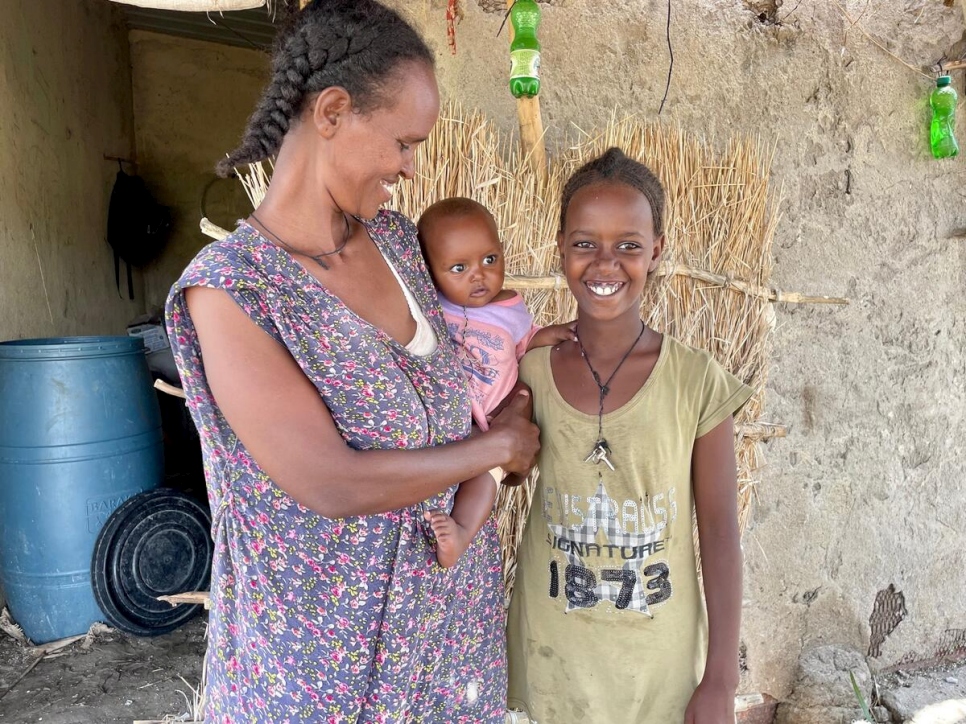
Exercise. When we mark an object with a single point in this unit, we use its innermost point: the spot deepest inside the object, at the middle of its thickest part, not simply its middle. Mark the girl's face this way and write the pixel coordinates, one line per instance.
(608, 247)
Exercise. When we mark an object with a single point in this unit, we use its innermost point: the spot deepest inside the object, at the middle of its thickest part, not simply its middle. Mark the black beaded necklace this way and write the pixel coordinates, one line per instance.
(602, 451)
(317, 258)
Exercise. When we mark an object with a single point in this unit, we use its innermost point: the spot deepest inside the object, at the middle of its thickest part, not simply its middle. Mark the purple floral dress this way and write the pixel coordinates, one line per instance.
(347, 620)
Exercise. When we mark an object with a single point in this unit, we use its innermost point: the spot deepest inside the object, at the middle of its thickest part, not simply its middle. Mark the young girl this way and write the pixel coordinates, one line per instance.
(492, 330)
(607, 622)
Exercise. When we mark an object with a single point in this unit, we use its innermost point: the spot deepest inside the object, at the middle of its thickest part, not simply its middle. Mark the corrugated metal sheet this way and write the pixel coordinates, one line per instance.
(254, 29)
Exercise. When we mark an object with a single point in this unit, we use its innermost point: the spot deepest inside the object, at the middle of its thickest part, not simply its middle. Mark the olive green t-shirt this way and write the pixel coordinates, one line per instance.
(607, 624)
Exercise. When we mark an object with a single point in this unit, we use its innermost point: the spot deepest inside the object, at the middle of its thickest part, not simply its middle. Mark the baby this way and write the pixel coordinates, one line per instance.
(492, 330)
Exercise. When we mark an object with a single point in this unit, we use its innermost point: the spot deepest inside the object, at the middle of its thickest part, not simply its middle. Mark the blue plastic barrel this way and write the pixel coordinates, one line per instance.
(80, 433)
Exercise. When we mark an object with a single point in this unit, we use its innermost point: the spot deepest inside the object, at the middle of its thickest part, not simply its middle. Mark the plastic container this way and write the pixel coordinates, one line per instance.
(525, 49)
(80, 433)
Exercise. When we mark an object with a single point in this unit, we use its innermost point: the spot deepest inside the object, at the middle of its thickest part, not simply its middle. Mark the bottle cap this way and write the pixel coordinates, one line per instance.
(942, 80)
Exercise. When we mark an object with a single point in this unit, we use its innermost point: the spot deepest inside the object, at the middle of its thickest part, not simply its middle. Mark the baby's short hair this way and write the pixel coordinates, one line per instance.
(453, 207)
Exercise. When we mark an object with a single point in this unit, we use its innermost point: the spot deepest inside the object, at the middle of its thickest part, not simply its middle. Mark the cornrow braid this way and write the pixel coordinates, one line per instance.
(354, 44)
(614, 166)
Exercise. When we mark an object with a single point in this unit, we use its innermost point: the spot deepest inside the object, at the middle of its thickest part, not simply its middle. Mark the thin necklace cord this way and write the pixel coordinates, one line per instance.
(604, 387)
(317, 258)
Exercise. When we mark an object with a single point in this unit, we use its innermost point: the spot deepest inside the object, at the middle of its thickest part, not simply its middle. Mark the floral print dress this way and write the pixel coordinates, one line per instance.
(339, 620)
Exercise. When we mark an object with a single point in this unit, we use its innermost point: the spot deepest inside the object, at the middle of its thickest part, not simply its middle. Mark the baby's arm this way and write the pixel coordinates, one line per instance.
(714, 480)
(553, 334)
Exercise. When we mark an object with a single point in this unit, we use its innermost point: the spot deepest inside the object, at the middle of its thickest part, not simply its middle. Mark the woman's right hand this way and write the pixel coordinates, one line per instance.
(520, 437)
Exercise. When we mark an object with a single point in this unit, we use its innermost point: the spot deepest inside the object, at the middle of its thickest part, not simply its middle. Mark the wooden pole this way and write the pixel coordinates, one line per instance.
(531, 123)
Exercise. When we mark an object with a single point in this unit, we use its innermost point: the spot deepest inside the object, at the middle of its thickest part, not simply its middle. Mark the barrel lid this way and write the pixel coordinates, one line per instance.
(156, 543)
(70, 347)
(943, 80)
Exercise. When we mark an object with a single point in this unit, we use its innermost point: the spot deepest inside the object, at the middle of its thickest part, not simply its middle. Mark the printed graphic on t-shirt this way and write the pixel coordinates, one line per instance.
(605, 550)
(477, 348)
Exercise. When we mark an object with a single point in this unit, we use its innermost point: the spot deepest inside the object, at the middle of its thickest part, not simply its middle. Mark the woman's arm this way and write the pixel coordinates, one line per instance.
(280, 418)
(714, 480)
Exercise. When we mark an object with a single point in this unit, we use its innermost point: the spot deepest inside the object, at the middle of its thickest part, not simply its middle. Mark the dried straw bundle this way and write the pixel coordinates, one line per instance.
(711, 291)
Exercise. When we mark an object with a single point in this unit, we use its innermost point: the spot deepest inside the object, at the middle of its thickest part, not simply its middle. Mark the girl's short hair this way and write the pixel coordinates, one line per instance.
(354, 44)
(614, 166)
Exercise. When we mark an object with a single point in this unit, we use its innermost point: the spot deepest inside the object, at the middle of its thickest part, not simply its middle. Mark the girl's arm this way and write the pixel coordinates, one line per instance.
(280, 418)
(714, 481)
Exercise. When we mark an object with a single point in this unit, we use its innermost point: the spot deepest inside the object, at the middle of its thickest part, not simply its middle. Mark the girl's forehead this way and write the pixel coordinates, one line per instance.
(605, 200)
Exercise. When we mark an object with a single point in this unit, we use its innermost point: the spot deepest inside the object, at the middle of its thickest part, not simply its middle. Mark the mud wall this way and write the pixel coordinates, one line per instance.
(191, 101)
(65, 101)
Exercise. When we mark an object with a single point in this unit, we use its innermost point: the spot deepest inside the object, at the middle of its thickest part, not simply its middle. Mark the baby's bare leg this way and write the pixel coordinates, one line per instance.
(471, 507)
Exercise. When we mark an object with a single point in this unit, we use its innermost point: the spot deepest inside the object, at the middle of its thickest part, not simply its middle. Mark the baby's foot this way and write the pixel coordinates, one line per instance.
(452, 539)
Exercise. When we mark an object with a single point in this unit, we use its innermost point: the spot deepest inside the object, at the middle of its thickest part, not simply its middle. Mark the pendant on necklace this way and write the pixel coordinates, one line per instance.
(600, 454)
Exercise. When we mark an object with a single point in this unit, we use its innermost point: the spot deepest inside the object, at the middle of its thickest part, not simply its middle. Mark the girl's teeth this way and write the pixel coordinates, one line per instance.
(604, 290)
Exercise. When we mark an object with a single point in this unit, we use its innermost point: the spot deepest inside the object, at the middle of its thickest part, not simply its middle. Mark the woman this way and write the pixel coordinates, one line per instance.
(332, 411)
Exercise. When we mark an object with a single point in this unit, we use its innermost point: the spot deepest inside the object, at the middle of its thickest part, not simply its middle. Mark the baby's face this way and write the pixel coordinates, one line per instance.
(465, 258)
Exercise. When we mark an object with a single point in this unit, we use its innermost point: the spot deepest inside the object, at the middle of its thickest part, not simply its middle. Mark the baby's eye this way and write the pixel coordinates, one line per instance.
(490, 259)
(404, 146)
(458, 268)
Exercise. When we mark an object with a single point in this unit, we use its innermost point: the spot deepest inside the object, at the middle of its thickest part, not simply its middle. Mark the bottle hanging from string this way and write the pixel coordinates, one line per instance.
(941, 131)
(525, 49)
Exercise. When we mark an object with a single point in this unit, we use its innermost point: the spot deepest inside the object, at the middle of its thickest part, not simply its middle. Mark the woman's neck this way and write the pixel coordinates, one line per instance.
(301, 210)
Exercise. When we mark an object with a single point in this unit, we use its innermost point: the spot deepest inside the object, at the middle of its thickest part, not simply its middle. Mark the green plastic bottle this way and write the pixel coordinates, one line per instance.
(525, 49)
(943, 101)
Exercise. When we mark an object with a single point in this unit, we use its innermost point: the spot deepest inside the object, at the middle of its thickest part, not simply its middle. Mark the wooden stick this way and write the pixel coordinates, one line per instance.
(190, 597)
(531, 132)
(760, 430)
(169, 389)
(21, 677)
(557, 281)
(212, 230)
(49, 648)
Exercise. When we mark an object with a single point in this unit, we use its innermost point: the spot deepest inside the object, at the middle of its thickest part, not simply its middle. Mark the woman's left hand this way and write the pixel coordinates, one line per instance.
(711, 703)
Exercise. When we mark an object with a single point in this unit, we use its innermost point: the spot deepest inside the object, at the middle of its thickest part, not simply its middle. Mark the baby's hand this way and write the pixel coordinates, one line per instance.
(554, 334)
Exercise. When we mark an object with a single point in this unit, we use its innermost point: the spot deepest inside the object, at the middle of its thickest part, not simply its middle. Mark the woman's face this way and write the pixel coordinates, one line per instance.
(375, 150)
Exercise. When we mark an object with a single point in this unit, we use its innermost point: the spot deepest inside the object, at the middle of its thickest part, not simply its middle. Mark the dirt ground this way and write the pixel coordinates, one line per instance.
(113, 679)
(119, 679)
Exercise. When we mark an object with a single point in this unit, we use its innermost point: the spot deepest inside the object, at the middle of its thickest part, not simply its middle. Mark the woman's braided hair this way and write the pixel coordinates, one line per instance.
(614, 166)
(354, 44)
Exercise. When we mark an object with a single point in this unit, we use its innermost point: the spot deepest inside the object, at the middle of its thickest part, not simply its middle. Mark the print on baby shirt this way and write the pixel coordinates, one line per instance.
(613, 553)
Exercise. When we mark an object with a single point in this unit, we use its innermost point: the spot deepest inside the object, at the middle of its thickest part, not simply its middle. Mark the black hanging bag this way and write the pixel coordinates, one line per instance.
(137, 226)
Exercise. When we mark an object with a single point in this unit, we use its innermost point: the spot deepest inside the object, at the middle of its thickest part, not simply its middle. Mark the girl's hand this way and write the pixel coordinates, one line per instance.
(711, 703)
(519, 437)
